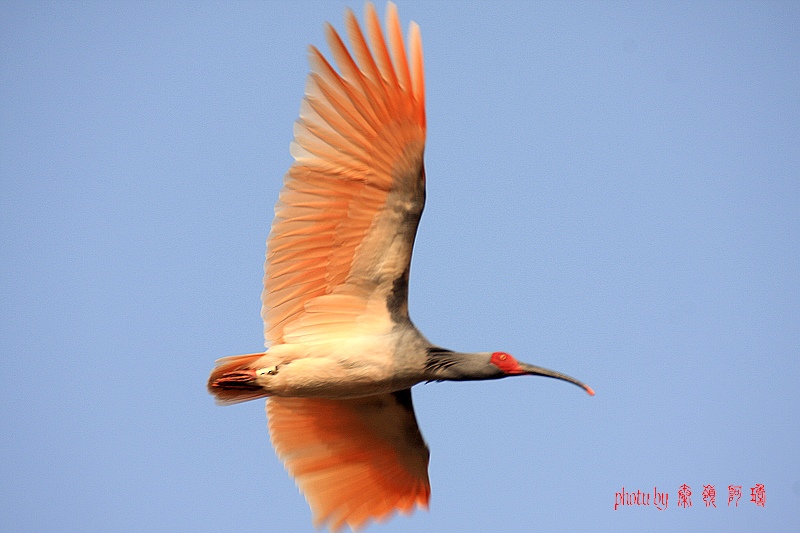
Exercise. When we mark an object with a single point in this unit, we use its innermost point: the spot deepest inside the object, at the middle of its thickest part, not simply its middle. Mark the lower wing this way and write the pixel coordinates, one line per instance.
(354, 460)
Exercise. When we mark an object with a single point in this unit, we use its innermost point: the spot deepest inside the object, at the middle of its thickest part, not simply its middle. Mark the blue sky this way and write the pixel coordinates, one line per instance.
(612, 192)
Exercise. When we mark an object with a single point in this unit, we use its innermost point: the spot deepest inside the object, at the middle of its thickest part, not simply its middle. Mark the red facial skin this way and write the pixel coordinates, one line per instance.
(506, 363)
(510, 366)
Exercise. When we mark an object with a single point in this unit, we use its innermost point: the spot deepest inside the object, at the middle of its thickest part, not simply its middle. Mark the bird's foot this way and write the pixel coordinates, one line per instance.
(269, 371)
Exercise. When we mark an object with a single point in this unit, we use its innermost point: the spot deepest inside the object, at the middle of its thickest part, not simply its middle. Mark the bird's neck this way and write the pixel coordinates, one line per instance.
(447, 365)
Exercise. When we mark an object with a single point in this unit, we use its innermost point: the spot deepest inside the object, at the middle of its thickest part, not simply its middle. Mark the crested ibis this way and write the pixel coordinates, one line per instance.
(342, 353)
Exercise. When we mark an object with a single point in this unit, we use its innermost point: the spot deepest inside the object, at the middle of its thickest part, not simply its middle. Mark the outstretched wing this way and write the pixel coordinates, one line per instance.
(355, 460)
(337, 263)
(347, 216)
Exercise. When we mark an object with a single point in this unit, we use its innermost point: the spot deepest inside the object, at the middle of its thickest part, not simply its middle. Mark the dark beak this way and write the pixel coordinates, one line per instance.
(539, 371)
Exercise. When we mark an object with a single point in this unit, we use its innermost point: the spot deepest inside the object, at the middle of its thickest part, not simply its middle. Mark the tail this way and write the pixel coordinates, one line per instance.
(233, 379)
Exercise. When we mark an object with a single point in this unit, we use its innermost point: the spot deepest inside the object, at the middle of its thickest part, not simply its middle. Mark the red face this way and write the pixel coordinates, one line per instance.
(506, 363)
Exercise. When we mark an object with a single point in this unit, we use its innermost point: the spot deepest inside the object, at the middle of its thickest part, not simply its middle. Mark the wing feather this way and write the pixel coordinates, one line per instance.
(348, 212)
(398, 49)
(378, 44)
(418, 73)
(354, 460)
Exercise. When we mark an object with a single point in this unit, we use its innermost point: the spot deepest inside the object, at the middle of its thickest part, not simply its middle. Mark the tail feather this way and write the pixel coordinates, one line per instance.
(227, 381)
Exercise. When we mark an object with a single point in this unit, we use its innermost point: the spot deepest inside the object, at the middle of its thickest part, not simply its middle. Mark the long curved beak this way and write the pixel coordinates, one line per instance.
(525, 368)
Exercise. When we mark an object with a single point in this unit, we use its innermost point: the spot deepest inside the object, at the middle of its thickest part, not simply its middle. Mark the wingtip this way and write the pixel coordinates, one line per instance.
(417, 70)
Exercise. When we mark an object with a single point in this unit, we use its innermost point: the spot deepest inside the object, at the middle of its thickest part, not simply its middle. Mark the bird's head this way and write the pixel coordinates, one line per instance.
(509, 366)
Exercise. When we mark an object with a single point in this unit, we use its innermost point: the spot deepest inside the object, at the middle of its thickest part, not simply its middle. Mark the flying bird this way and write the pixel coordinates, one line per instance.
(342, 353)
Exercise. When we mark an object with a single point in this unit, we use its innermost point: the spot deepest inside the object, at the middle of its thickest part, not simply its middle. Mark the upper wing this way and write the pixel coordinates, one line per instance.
(355, 460)
(346, 218)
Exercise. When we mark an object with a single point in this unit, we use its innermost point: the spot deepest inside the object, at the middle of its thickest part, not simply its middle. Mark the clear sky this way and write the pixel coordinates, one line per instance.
(613, 192)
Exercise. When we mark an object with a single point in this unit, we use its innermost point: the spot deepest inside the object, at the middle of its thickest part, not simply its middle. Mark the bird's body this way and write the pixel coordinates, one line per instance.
(343, 367)
(342, 352)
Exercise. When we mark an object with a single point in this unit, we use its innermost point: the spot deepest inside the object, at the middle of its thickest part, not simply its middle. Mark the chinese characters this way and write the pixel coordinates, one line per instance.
(660, 500)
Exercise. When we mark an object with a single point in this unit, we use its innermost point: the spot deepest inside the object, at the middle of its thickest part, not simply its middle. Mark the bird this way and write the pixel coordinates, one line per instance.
(342, 352)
